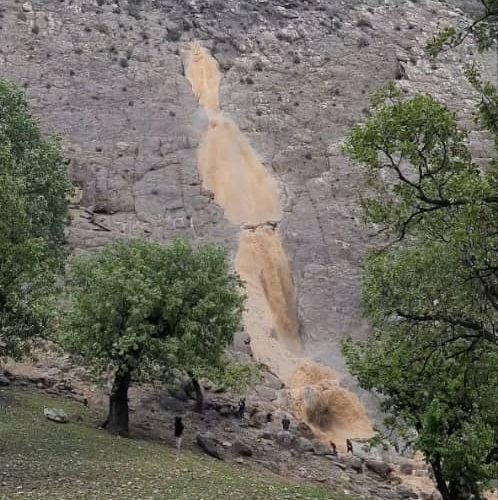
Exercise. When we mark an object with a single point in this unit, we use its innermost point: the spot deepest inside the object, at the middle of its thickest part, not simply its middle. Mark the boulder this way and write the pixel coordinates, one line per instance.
(269, 436)
(320, 448)
(305, 430)
(272, 381)
(404, 492)
(406, 468)
(4, 380)
(303, 445)
(242, 449)
(335, 462)
(257, 420)
(382, 469)
(178, 393)
(56, 415)
(170, 403)
(285, 439)
(354, 463)
(209, 444)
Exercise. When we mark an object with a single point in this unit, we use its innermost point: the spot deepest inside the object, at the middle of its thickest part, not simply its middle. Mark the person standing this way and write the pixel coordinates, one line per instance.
(349, 446)
(285, 423)
(179, 427)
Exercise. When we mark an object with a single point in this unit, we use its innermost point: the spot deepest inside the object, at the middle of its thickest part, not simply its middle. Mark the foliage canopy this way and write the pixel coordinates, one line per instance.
(431, 294)
(33, 203)
(143, 309)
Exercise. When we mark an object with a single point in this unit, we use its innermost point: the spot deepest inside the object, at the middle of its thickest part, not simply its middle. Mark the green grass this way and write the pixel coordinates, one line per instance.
(45, 460)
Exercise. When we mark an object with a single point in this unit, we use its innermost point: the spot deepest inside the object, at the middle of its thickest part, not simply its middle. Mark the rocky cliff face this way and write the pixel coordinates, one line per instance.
(108, 76)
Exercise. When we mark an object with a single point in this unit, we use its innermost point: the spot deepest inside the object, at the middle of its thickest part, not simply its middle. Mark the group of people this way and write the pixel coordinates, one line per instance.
(179, 428)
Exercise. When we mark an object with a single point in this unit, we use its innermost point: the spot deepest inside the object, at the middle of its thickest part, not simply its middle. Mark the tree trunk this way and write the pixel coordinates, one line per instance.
(199, 396)
(118, 419)
(441, 483)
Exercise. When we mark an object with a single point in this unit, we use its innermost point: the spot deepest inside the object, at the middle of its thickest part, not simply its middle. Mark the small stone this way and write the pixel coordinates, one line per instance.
(239, 460)
(4, 381)
(56, 415)
(27, 7)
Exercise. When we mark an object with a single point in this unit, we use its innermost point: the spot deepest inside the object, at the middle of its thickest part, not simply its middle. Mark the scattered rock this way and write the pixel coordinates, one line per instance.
(56, 415)
(4, 380)
(285, 439)
(404, 492)
(320, 448)
(406, 469)
(27, 7)
(208, 443)
(239, 460)
(242, 449)
(305, 430)
(355, 463)
(273, 382)
(383, 469)
(225, 410)
(171, 403)
(335, 462)
(179, 393)
(303, 445)
(63, 385)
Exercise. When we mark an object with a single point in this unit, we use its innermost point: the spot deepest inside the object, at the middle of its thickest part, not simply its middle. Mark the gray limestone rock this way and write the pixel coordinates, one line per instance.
(209, 444)
(242, 449)
(383, 469)
(55, 415)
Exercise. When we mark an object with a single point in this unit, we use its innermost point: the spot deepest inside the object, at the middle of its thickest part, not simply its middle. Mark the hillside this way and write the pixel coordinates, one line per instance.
(43, 459)
(223, 121)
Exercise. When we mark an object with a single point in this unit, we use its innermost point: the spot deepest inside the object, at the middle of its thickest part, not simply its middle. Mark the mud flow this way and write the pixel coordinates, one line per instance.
(249, 196)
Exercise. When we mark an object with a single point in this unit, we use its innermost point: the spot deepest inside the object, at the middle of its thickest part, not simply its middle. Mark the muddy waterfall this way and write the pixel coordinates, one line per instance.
(249, 196)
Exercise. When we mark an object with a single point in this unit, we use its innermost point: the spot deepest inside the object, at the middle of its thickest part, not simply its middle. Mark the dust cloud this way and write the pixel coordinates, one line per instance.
(249, 196)
(334, 413)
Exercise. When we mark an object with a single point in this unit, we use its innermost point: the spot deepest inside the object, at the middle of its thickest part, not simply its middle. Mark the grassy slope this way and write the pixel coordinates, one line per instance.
(42, 459)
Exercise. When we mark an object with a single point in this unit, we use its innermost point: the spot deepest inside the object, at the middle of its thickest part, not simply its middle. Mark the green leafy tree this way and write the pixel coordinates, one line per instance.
(431, 293)
(142, 309)
(33, 207)
(483, 30)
